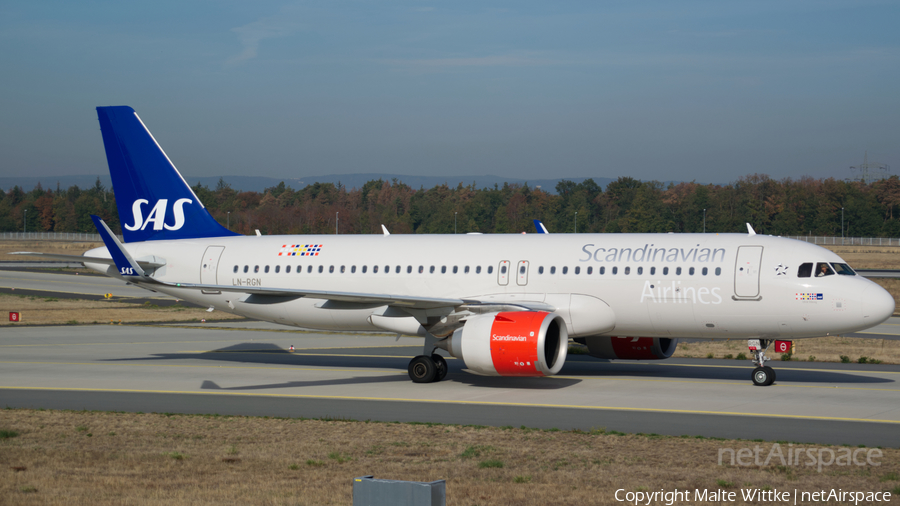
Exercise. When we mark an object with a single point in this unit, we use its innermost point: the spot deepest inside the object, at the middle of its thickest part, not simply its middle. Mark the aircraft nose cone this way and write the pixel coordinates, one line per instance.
(878, 305)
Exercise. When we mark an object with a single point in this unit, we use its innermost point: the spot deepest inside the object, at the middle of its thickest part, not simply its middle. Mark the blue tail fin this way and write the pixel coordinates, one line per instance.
(155, 203)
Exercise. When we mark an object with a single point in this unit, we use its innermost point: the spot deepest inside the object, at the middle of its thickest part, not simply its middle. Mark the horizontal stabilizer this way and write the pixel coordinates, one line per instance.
(88, 260)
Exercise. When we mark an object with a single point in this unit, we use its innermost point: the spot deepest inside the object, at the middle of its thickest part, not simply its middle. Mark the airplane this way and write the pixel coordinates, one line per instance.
(505, 304)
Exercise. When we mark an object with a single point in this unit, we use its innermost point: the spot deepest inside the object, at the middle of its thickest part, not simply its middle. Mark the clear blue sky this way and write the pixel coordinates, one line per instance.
(689, 90)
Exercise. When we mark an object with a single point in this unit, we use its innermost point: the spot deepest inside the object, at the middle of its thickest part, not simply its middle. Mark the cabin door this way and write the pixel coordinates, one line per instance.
(746, 272)
(209, 267)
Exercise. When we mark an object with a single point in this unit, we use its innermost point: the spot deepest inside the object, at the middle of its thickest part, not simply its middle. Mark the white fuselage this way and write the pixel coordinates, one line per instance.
(657, 285)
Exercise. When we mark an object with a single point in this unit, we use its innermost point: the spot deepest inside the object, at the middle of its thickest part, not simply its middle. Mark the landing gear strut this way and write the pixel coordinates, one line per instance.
(762, 375)
(428, 367)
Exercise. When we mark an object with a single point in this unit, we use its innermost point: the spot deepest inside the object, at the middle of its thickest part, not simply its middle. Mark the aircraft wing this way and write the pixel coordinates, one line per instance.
(260, 295)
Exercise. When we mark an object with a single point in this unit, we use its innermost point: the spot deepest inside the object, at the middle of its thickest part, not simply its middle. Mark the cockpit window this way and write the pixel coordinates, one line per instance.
(823, 269)
(843, 269)
(805, 270)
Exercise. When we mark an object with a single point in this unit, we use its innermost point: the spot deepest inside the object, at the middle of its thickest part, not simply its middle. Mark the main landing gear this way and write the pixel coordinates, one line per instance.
(428, 367)
(425, 369)
(762, 375)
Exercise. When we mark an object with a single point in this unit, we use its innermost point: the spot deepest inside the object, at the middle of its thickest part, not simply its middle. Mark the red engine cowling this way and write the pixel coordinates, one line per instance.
(631, 348)
(523, 343)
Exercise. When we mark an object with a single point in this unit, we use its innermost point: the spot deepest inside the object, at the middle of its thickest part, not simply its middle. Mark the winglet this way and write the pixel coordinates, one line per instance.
(124, 263)
(385, 230)
(750, 230)
(541, 229)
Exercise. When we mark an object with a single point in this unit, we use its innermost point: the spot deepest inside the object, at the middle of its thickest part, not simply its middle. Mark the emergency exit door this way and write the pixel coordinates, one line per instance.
(503, 273)
(522, 273)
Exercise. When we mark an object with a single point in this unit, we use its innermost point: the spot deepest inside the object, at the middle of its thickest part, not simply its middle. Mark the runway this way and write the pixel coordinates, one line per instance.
(246, 369)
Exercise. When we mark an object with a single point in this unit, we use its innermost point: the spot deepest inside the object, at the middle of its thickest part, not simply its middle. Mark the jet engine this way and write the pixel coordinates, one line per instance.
(519, 343)
(630, 348)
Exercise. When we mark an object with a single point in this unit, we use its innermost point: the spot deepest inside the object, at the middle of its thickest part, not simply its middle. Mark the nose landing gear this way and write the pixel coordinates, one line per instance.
(762, 375)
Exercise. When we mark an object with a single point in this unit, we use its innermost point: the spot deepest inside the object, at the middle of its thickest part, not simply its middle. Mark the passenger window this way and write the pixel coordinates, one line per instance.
(365, 268)
(553, 270)
(705, 271)
(431, 270)
(805, 270)
(640, 270)
(467, 269)
(455, 269)
(502, 269)
(397, 270)
(235, 268)
(602, 270)
(246, 268)
(375, 269)
(352, 269)
(653, 271)
(255, 269)
(443, 269)
(565, 270)
(299, 269)
(718, 271)
(522, 269)
(823, 269)
(277, 269)
(627, 270)
(577, 270)
(490, 269)
(287, 269)
(477, 269)
(309, 269)
(343, 269)
(678, 271)
(615, 270)
(409, 269)
(267, 269)
(691, 271)
(590, 270)
(843, 269)
(331, 269)
(665, 271)
(541, 269)
(421, 269)
(387, 269)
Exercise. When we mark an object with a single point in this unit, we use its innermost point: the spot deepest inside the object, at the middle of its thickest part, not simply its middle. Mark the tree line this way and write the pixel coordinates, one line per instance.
(778, 207)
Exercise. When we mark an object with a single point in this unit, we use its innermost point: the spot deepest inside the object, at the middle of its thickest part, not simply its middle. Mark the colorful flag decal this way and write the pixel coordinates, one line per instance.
(300, 250)
(808, 296)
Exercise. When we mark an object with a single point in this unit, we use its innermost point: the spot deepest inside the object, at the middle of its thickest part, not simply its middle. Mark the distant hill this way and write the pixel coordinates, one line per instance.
(258, 183)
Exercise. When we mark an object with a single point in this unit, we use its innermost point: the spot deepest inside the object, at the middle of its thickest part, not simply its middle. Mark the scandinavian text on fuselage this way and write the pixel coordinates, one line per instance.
(649, 253)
